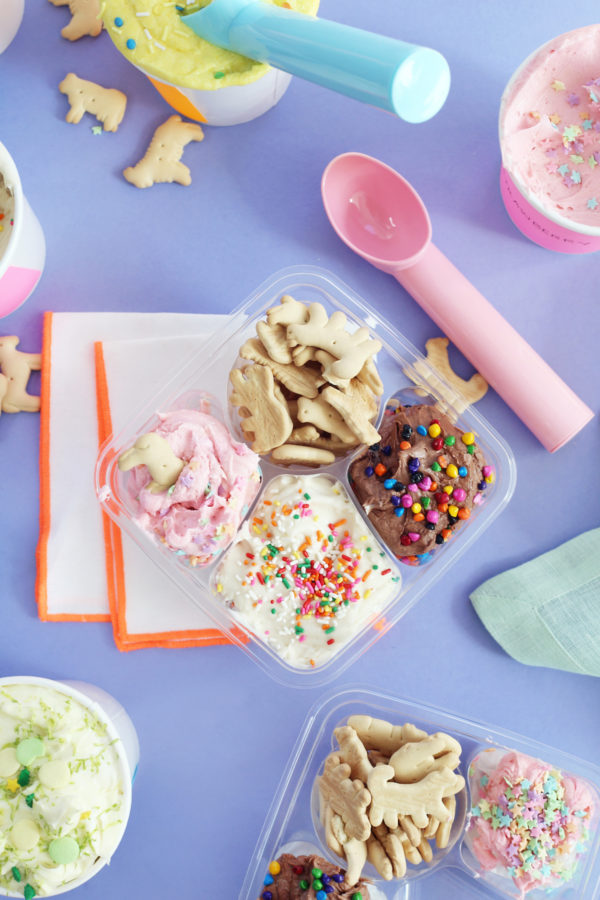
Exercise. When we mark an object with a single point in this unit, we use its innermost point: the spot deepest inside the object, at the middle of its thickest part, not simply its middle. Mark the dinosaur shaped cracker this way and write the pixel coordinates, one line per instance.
(254, 388)
(16, 367)
(153, 451)
(391, 800)
(85, 18)
(415, 760)
(323, 428)
(273, 338)
(353, 411)
(377, 734)
(162, 161)
(305, 382)
(289, 312)
(349, 799)
(352, 752)
(106, 104)
(318, 412)
(350, 350)
(442, 834)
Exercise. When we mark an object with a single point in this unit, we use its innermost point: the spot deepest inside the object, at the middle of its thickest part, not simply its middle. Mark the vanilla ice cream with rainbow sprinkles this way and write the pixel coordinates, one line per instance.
(305, 573)
(64, 801)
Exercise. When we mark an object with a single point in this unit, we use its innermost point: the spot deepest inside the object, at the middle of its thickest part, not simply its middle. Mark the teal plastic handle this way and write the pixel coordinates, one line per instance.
(405, 79)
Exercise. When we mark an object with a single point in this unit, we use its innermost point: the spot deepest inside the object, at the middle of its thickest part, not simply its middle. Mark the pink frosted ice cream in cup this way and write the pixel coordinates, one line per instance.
(530, 823)
(550, 143)
(210, 482)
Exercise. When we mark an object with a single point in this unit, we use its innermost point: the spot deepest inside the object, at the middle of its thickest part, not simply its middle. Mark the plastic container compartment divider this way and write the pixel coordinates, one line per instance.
(291, 824)
(204, 380)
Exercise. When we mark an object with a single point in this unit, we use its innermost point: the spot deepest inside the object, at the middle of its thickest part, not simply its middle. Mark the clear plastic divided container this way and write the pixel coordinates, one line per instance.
(204, 384)
(293, 825)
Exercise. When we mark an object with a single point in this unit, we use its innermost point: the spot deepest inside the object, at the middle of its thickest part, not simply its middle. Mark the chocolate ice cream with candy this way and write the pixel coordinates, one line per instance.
(421, 481)
(308, 878)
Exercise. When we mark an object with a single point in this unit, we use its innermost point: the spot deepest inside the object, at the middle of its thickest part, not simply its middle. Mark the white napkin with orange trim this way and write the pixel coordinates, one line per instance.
(75, 544)
(147, 608)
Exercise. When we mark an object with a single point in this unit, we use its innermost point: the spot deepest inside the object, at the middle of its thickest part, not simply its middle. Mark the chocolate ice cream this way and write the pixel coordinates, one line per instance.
(309, 878)
(421, 481)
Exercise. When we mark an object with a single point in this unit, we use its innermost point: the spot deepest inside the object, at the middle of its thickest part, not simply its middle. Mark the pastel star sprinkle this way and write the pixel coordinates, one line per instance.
(592, 162)
(564, 169)
(587, 125)
(571, 132)
(558, 86)
(554, 119)
(96, 129)
(573, 100)
(592, 203)
(576, 158)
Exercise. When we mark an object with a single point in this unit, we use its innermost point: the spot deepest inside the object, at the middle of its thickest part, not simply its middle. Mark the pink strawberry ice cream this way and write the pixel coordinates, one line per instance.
(529, 821)
(199, 515)
(550, 126)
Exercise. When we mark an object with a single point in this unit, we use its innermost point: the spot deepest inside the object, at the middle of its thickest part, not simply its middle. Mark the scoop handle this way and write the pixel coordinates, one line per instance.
(546, 405)
(405, 79)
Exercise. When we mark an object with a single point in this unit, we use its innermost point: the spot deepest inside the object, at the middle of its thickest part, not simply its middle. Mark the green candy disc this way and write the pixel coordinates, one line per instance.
(29, 749)
(63, 850)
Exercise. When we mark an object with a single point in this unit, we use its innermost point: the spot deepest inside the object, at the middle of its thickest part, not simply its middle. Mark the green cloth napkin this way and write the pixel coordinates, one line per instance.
(547, 611)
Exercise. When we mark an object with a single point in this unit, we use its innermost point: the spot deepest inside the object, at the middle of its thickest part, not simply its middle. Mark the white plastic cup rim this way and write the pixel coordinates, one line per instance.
(127, 774)
(562, 221)
(233, 104)
(8, 168)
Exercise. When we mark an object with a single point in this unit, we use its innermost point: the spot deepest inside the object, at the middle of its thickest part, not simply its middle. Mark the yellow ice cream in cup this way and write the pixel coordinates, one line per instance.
(199, 80)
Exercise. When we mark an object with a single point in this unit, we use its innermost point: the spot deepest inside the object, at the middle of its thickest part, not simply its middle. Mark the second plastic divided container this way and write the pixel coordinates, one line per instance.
(292, 824)
(204, 385)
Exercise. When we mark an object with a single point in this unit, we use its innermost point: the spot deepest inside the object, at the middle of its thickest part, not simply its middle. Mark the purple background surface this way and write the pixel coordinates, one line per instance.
(215, 732)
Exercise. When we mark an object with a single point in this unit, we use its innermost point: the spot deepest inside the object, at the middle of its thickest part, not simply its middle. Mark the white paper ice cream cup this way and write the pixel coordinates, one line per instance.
(232, 105)
(11, 14)
(120, 730)
(23, 257)
(542, 226)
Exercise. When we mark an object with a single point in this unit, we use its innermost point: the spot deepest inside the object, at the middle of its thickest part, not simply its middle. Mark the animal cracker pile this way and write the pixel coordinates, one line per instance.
(310, 390)
(386, 793)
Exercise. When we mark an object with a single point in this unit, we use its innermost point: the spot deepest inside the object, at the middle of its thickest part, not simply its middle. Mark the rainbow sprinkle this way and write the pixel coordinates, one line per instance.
(305, 567)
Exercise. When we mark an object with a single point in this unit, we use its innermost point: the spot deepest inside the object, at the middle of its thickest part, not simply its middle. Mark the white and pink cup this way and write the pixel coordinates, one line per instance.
(23, 250)
(525, 206)
(11, 15)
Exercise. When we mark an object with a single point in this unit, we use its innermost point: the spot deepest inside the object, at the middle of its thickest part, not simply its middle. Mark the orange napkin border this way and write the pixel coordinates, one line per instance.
(45, 515)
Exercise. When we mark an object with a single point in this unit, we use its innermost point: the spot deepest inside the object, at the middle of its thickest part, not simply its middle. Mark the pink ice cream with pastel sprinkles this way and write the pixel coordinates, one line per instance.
(200, 514)
(529, 821)
(550, 126)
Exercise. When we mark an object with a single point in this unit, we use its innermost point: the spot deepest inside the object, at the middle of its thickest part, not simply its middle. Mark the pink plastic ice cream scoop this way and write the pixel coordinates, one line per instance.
(380, 216)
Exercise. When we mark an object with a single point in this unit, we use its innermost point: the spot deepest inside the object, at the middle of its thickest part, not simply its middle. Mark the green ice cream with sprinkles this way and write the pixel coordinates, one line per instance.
(63, 803)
